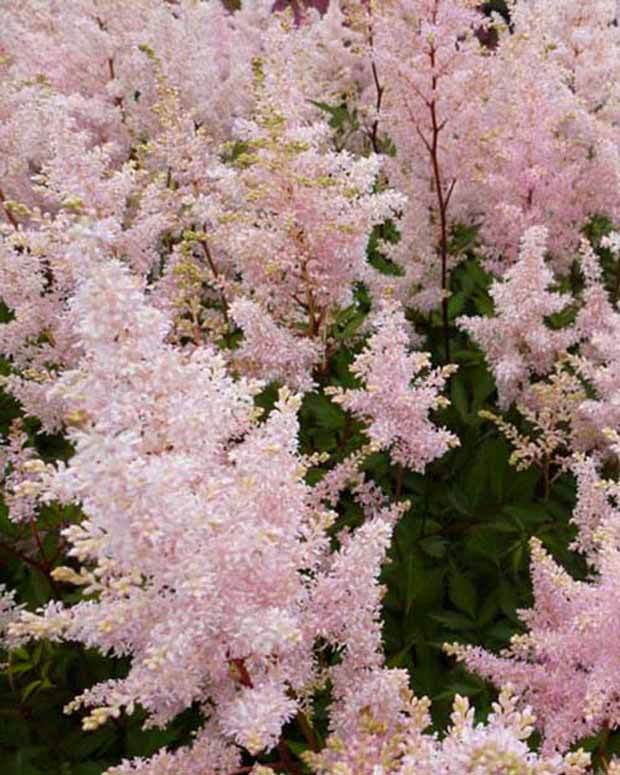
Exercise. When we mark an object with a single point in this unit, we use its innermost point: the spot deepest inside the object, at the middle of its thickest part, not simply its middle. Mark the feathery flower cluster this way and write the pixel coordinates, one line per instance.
(403, 747)
(9, 613)
(517, 341)
(398, 394)
(565, 665)
(552, 412)
(427, 68)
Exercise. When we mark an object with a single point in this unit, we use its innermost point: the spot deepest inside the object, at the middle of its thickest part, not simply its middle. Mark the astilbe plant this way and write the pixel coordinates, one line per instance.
(565, 659)
(563, 664)
(185, 223)
(471, 155)
(404, 749)
(562, 379)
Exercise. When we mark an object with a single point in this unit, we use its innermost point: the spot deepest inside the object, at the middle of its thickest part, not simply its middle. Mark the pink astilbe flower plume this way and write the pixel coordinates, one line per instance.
(584, 42)
(557, 166)
(391, 738)
(211, 570)
(516, 340)
(152, 501)
(293, 230)
(399, 392)
(598, 360)
(565, 665)
(428, 69)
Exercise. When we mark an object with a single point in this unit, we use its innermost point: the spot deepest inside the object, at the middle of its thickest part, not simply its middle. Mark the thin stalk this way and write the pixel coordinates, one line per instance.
(547, 479)
(214, 271)
(615, 295)
(286, 763)
(7, 211)
(308, 731)
(400, 476)
(443, 200)
(118, 101)
(33, 564)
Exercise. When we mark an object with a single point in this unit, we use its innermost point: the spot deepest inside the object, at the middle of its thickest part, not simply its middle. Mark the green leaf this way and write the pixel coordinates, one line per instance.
(463, 593)
(434, 546)
(86, 745)
(30, 689)
(464, 688)
(20, 667)
(87, 768)
(458, 396)
(454, 621)
(456, 304)
(508, 600)
(483, 385)
(325, 413)
(145, 742)
(489, 609)
(402, 657)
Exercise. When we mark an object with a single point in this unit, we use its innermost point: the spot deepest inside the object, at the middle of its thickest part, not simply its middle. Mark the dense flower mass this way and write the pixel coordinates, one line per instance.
(264, 268)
